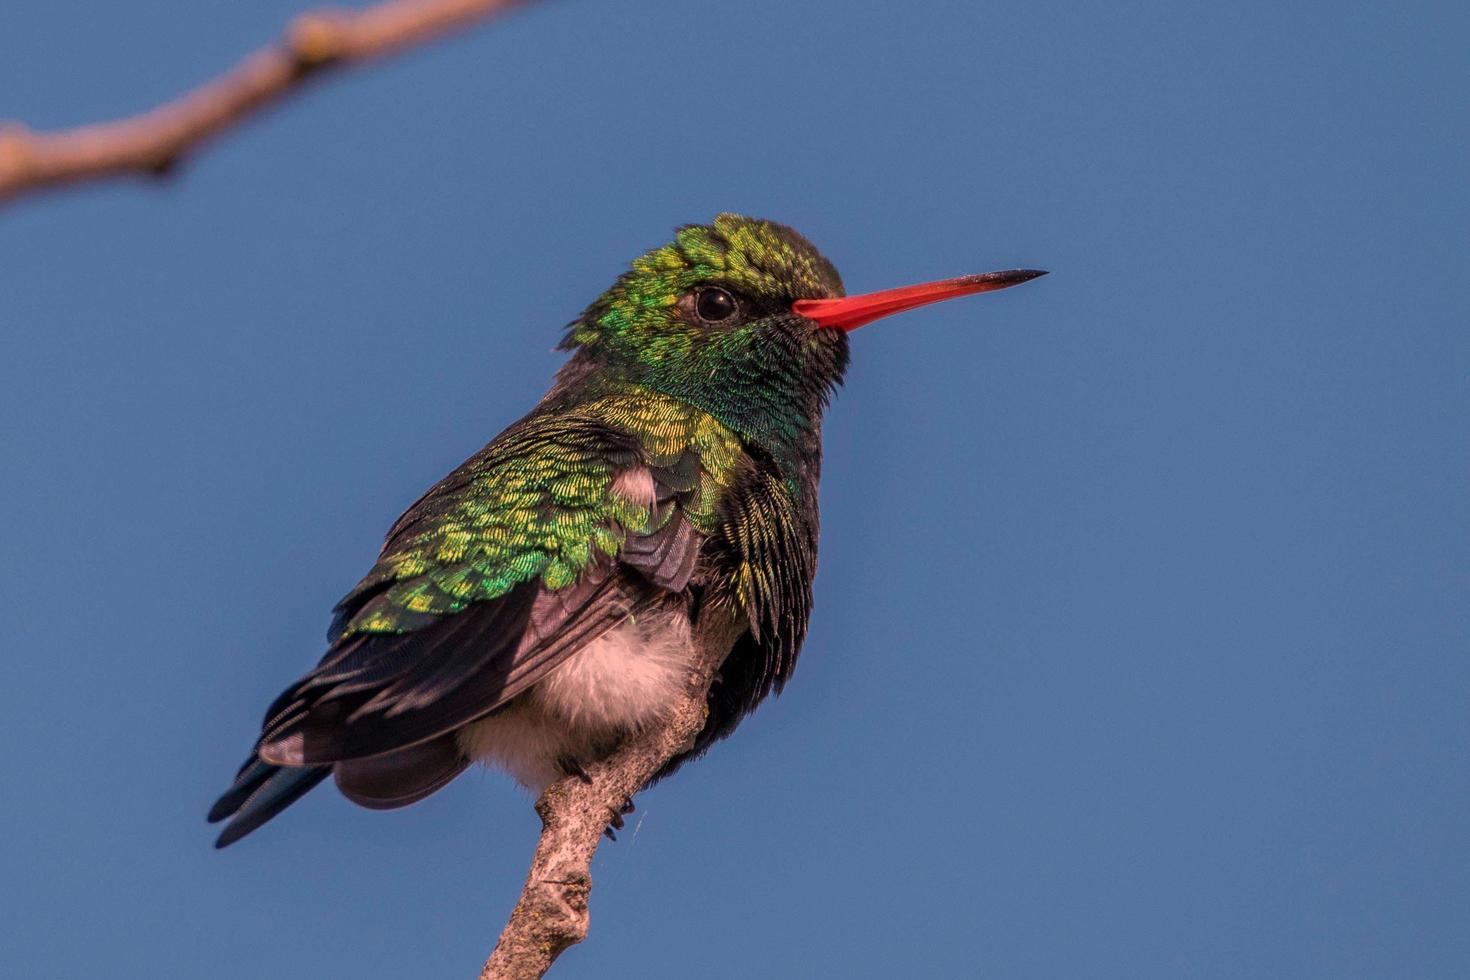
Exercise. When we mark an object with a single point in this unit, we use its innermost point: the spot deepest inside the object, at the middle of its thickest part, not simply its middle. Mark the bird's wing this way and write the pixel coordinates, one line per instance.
(550, 536)
(555, 533)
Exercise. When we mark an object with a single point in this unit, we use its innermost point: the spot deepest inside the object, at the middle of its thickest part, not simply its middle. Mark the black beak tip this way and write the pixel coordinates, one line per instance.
(1005, 279)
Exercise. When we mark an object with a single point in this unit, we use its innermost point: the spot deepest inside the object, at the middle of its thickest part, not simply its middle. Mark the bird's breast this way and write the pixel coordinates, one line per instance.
(625, 680)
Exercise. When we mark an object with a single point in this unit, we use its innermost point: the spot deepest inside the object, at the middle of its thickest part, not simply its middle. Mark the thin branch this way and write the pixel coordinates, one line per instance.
(152, 143)
(552, 912)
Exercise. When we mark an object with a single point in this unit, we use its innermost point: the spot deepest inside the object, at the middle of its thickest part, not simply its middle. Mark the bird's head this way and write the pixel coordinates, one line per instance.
(742, 317)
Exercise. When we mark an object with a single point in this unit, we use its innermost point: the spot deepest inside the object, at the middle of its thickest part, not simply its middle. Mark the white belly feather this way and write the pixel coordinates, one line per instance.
(616, 684)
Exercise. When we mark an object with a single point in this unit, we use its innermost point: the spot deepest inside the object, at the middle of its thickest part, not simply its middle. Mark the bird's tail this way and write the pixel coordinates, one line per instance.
(261, 791)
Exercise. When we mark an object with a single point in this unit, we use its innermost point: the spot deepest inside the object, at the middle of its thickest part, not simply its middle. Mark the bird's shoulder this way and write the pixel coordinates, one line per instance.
(554, 493)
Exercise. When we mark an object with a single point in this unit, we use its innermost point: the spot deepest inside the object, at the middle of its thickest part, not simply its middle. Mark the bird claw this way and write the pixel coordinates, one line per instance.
(572, 767)
(616, 823)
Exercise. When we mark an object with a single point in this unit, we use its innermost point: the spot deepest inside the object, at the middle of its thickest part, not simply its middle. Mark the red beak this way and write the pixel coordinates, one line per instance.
(851, 312)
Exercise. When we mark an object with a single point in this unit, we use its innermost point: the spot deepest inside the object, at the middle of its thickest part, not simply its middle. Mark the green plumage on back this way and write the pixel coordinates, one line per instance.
(539, 503)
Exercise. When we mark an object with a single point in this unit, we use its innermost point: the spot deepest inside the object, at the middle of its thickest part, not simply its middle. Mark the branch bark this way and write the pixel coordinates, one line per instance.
(152, 143)
(552, 913)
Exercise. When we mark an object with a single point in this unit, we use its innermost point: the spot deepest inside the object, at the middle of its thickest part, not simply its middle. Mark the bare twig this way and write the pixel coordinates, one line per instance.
(552, 912)
(152, 143)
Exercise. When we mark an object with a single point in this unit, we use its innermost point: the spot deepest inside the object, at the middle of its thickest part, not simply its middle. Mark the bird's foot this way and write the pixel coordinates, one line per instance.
(572, 767)
(616, 823)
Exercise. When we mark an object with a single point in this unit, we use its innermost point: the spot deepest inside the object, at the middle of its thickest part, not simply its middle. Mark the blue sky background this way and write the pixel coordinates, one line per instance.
(1141, 635)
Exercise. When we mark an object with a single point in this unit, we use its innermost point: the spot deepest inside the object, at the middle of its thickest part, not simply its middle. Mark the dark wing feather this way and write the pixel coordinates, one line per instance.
(443, 674)
(392, 692)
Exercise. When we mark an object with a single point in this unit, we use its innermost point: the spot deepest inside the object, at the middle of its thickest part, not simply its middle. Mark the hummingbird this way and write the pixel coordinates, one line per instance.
(536, 606)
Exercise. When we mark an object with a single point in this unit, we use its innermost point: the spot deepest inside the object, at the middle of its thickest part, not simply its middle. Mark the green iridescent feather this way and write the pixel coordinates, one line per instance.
(538, 503)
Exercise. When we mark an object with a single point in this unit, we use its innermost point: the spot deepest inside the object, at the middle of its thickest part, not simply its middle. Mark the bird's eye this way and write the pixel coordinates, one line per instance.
(714, 305)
